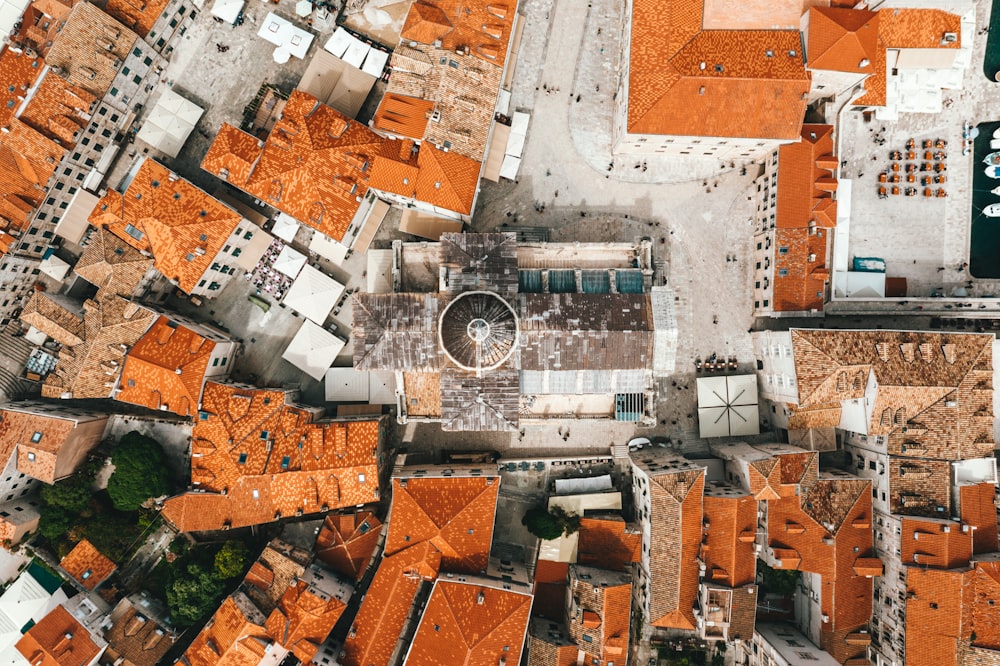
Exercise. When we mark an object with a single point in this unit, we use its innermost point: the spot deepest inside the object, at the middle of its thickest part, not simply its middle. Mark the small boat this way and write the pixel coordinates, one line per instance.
(992, 158)
(996, 133)
(993, 210)
(993, 171)
(996, 191)
(994, 144)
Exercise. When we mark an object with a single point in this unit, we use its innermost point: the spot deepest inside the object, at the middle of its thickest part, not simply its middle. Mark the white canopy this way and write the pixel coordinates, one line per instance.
(313, 294)
(289, 262)
(370, 386)
(328, 248)
(285, 227)
(355, 52)
(727, 406)
(285, 34)
(227, 10)
(54, 267)
(303, 8)
(170, 122)
(313, 350)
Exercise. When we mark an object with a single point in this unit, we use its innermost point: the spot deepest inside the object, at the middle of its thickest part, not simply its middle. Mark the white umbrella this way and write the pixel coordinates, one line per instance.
(303, 7)
(281, 55)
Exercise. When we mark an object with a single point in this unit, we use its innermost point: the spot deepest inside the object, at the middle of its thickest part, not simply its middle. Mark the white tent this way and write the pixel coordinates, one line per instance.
(285, 227)
(355, 52)
(170, 122)
(727, 406)
(227, 10)
(303, 8)
(289, 262)
(313, 294)
(313, 350)
(328, 248)
(369, 386)
(285, 35)
(54, 267)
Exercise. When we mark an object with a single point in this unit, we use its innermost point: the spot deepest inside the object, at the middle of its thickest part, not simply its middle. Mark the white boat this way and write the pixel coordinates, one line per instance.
(995, 144)
(993, 171)
(992, 158)
(993, 210)
(996, 191)
(996, 133)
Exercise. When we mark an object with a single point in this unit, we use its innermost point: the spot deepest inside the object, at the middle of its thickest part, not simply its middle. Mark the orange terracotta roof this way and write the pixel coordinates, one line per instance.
(166, 368)
(307, 467)
(58, 640)
(403, 115)
(481, 26)
(303, 620)
(602, 605)
(139, 16)
(607, 545)
(985, 619)
(979, 510)
(937, 608)
(728, 550)
(317, 166)
(41, 23)
(435, 523)
(135, 637)
(676, 532)
(18, 73)
(58, 109)
(27, 162)
(470, 624)
(347, 542)
(935, 543)
(907, 29)
(87, 565)
(841, 40)
(681, 75)
(550, 589)
(235, 636)
(19, 429)
(183, 227)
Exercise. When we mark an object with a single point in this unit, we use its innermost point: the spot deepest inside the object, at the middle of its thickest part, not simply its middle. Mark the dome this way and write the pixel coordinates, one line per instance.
(478, 330)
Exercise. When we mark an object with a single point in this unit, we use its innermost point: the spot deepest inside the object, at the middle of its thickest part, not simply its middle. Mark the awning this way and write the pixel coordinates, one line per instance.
(350, 385)
(496, 151)
(254, 250)
(285, 227)
(313, 350)
(289, 262)
(285, 35)
(364, 238)
(169, 123)
(427, 226)
(379, 273)
(54, 267)
(727, 406)
(73, 225)
(313, 294)
(227, 10)
(336, 83)
(328, 248)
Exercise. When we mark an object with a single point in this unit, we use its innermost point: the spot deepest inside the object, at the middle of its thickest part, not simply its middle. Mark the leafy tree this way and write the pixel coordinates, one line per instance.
(140, 472)
(550, 524)
(231, 559)
(53, 522)
(70, 495)
(193, 594)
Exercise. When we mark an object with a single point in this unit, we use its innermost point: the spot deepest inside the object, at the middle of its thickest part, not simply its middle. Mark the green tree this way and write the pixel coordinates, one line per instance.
(71, 495)
(140, 472)
(53, 522)
(550, 524)
(231, 559)
(193, 594)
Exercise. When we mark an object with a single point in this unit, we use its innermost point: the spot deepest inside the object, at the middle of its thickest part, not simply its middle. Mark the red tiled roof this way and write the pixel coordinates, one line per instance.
(58, 640)
(230, 638)
(27, 162)
(985, 618)
(87, 565)
(979, 510)
(481, 26)
(680, 76)
(806, 212)
(435, 524)
(166, 368)
(605, 544)
(841, 40)
(308, 466)
(139, 16)
(347, 541)
(183, 227)
(550, 589)
(728, 550)
(18, 73)
(403, 115)
(58, 109)
(907, 29)
(938, 605)
(303, 620)
(936, 543)
(676, 535)
(470, 624)
(317, 166)
(17, 430)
